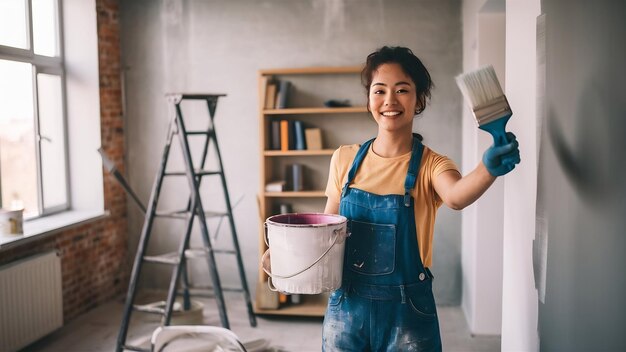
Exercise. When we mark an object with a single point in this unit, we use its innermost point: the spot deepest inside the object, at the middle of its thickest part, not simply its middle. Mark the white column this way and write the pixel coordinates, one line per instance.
(519, 300)
(482, 222)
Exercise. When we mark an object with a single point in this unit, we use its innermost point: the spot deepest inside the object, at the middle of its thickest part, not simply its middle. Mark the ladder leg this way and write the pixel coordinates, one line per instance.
(217, 286)
(143, 244)
(231, 221)
(199, 211)
(176, 272)
(186, 295)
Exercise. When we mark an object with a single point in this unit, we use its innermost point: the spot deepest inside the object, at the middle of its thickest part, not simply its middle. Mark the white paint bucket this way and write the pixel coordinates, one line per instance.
(11, 222)
(305, 252)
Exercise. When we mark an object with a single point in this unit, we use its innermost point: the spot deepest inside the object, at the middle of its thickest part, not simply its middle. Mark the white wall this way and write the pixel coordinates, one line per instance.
(468, 223)
(582, 172)
(512, 198)
(219, 46)
(484, 28)
(83, 104)
(519, 296)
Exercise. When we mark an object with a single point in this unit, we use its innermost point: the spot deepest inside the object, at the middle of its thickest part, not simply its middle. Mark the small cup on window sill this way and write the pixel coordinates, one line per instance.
(11, 221)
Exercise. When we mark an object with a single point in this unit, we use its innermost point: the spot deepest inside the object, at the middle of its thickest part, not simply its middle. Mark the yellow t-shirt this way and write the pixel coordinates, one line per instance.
(382, 176)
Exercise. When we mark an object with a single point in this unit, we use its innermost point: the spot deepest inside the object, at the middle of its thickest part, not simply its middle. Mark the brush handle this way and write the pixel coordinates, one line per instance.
(497, 130)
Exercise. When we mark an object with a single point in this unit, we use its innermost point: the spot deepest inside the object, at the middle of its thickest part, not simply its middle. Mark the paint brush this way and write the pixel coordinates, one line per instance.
(483, 93)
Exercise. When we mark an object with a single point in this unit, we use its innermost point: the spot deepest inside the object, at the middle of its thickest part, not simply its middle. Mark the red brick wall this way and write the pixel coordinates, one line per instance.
(93, 256)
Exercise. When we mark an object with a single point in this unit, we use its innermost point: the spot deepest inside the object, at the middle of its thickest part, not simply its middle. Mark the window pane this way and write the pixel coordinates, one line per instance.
(18, 170)
(45, 27)
(52, 143)
(13, 23)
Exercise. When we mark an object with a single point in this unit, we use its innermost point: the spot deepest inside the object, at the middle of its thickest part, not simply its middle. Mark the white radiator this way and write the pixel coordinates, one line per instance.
(31, 302)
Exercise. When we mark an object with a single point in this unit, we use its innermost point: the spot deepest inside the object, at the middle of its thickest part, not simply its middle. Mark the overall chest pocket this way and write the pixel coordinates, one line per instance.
(371, 248)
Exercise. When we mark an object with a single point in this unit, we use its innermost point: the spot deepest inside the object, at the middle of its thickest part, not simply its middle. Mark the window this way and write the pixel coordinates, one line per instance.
(33, 142)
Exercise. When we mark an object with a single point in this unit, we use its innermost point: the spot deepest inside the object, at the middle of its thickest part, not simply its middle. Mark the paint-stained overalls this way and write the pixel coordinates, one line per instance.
(385, 302)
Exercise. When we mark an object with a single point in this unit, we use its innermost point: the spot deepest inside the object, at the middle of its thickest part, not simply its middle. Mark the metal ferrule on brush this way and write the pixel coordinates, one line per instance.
(497, 108)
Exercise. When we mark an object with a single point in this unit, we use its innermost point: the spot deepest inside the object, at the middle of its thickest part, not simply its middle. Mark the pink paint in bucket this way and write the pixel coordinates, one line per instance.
(305, 252)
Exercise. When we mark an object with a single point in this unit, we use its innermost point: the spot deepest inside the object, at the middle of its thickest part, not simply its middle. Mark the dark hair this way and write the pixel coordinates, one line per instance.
(411, 65)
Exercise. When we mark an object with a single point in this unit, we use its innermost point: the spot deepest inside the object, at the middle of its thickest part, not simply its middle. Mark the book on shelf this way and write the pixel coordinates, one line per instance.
(300, 139)
(275, 186)
(263, 91)
(275, 135)
(284, 135)
(292, 135)
(270, 95)
(294, 175)
(313, 137)
(282, 298)
(282, 97)
(288, 135)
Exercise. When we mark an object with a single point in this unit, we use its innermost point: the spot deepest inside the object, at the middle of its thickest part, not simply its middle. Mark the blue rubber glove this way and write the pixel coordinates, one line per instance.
(502, 159)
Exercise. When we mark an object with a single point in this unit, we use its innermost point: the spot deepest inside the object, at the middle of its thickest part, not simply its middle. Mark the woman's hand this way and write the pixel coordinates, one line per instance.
(501, 160)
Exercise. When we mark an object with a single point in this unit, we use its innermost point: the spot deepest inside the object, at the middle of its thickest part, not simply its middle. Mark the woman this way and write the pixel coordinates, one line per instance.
(390, 188)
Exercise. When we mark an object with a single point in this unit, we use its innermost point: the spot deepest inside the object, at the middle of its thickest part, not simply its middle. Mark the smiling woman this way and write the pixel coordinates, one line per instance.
(390, 189)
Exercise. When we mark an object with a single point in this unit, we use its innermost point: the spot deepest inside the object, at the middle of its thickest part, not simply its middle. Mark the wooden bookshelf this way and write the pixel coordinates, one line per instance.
(298, 152)
(318, 111)
(303, 194)
(311, 306)
(272, 162)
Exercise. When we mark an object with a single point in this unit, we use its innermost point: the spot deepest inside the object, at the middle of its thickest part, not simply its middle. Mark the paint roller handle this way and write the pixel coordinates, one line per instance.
(110, 166)
(108, 163)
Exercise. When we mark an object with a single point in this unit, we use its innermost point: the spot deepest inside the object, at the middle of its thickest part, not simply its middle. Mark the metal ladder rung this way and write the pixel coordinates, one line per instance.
(207, 291)
(135, 348)
(171, 258)
(192, 253)
(173, 214)
(215, 214)
(196, 173)
(184, 214)
(167, 258)
(209, 288)
(198, 132)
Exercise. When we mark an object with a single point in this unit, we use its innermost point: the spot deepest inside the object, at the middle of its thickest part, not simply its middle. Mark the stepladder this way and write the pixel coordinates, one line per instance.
(194, 169)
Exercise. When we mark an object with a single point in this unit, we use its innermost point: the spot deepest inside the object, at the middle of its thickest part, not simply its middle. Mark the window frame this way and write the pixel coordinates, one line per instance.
(52, 66)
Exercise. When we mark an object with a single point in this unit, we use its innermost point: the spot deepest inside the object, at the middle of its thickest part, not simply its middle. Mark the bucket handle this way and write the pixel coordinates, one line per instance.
(274, 276)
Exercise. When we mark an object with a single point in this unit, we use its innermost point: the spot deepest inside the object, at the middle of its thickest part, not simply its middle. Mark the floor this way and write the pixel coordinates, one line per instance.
(96, 331)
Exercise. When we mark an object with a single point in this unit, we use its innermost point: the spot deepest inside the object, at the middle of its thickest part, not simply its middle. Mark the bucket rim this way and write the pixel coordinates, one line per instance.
(11, 211)
(342, 221)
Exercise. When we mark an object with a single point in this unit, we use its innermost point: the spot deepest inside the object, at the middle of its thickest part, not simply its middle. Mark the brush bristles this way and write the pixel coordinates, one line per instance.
(480, 88)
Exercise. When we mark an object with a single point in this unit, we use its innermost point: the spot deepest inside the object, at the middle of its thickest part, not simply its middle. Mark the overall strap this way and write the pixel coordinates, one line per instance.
(360, 155)
(414, 165)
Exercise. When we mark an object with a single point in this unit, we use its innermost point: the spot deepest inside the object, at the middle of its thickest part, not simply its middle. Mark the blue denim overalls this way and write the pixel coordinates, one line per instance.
(385, 302)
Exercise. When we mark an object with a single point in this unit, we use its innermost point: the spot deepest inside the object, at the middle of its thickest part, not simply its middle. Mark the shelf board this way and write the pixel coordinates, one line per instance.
(311, 70)
(311, 306)
(298, 152)
(302, 194)
(322, 110)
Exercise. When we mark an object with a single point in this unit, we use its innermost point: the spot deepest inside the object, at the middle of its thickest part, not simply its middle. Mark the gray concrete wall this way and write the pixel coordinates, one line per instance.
(581, 170)
(218, 46)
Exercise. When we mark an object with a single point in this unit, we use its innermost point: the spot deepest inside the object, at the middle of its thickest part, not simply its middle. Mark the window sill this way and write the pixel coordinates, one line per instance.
(49, 225)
